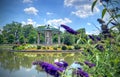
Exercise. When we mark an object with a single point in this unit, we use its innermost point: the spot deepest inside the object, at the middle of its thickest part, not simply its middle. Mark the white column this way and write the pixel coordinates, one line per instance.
(38, 38)
(59, 38)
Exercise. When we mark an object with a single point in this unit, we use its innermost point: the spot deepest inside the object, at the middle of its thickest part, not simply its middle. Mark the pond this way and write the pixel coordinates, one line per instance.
(19, 64)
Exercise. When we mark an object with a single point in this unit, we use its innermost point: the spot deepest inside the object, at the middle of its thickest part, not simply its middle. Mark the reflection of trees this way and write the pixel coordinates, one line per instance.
(12, 61)
(8, 61)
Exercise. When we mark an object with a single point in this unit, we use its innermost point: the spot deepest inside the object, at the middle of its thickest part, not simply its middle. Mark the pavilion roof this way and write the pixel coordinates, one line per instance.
(42, 29)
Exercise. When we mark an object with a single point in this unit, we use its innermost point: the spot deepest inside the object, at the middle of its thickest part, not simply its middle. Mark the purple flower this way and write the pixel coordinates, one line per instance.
(68, 29)
(49, 68)
(82, 73)
(99, 47)
(62, 64)
(59, 64)
(98, 38)
(100, 21)
(89, 64)
(114, 23)
(91, 37)
(104, 0)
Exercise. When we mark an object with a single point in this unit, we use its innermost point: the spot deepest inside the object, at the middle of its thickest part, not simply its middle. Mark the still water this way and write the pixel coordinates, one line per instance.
(19, 64)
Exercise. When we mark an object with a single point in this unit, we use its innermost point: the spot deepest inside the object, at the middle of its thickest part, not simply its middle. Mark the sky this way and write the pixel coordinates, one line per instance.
(74, 13)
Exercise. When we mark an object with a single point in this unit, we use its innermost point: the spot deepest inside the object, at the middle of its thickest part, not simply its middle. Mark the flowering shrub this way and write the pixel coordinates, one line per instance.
(68, 29)
(51, 69)
(61, 68)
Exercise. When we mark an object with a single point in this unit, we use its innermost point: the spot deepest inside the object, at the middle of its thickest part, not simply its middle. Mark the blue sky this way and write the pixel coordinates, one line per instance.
(74, 13)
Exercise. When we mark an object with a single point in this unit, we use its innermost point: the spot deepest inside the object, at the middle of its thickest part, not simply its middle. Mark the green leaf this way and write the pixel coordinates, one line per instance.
(93, 5)
(117, 16)
(103, 12)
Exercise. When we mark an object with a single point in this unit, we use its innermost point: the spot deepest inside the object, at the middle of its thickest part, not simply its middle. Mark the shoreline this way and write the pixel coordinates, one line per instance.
(47, 51)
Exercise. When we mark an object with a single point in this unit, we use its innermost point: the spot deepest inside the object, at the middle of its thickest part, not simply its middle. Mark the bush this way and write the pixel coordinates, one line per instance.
(43, 47)
(38, 47)
(69, 39)
(55, 48)
(64, 47)
(77, 47)
(14, 47)
(20, 48)
(70, 48)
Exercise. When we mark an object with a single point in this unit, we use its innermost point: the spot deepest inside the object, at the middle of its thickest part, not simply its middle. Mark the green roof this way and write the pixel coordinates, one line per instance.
(42, 29)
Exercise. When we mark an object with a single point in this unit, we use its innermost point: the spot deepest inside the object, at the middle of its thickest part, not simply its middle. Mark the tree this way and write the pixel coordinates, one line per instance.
(55, 38)
(11, 38)
(21, 40)
(32, 39)
(69, 39)
(13, 28)
(27, 30)
(1, 39)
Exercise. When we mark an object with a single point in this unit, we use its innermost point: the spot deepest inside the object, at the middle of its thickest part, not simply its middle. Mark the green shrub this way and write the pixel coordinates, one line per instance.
(69, 48)
(77, 47)
(14, 47)
(44, 47)
(64, 47)
(20, 48)
(38, 47)
(55, 48)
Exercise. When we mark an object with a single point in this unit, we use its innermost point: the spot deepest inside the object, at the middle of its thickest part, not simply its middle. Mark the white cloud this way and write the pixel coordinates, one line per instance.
(76, 3)
(57, 22)
(88, 23)
(93, 32)
(82, 7)
(27, 1)
(31, 10)
(29, 21)
(32, 22)
(49, 13)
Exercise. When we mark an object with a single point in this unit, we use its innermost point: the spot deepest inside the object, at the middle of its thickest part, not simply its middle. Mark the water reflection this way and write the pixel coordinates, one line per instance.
(19, 64)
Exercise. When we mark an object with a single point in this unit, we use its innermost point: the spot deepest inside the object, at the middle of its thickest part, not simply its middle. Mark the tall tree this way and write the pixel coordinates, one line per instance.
(11, 38)
(69, 39)
(1, 39)
(13, 28)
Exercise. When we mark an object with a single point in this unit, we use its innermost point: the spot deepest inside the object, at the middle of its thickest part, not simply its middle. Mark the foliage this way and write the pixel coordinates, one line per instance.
(31, 39)
(55, 48)
(64, 47)
(118, 40)
(15, 46)
(55, 39)
(1, 39)
(69, 39)
(13, 29)
(38, 47)
(11, 38)
(70, 47)
(76, 47)
(110, 7)
(21, 39)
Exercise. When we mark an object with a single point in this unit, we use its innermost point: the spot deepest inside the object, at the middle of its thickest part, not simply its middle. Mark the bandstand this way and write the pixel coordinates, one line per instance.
(48, 31)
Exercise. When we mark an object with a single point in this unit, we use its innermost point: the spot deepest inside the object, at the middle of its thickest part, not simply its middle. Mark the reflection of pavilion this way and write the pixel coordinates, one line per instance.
(48, 31)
